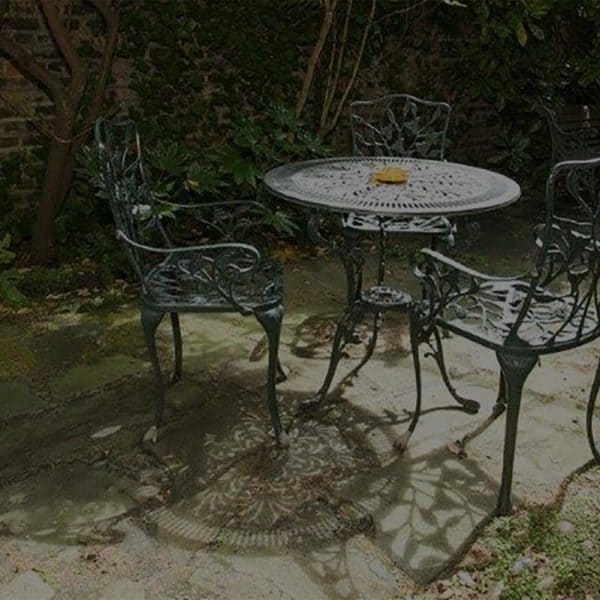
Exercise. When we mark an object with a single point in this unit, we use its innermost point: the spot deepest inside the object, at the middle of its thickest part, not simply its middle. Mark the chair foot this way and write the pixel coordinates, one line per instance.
(458, 447)
(309, 404)
(471, 407)
(401, 444)
(504, 507)
(283, 372)
(151, 435)
(283, 440)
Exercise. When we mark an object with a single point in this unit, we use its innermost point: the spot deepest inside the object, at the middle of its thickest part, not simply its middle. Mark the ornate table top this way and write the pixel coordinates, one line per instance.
(433, 187)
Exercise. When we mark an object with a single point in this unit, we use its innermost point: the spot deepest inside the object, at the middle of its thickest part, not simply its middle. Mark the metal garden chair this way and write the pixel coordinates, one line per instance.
(574, 131)
(219, 277)
(393, 125)
(554, 307)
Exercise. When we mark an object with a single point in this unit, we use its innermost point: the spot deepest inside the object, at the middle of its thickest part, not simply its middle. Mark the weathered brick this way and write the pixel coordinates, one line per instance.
(9, 142)
(24, 23)
(12, 125)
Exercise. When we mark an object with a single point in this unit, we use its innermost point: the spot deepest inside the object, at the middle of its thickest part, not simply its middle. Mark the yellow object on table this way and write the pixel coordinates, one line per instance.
(390, 175)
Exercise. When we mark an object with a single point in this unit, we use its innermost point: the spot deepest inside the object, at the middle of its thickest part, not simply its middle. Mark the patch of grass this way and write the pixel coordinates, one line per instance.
(543, 553)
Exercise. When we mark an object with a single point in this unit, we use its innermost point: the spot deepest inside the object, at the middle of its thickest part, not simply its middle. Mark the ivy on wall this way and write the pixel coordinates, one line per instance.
(519, 53)
(197, 63)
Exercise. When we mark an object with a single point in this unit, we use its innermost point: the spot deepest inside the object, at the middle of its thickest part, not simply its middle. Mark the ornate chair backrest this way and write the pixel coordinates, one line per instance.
(574, 131)
(399, 125)
(568, 264)
(132, 205)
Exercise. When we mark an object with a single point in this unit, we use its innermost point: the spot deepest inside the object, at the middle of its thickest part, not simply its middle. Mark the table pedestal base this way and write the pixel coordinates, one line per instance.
(377, 299)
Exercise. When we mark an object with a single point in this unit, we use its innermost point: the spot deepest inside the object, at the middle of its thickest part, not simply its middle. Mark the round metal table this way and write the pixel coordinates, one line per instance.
(344, 185)
(433, 187)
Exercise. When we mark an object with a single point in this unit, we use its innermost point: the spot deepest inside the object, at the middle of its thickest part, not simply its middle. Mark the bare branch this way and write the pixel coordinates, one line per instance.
(111, 17)
(105, 9)
(407, 9)
(338, 70)
(27, 63)
(357, 62)
(330, 6)
(62, 38)
(332, 55)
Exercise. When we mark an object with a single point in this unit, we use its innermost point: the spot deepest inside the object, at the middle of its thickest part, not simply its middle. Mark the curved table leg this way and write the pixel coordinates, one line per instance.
(371, 345)
(401, 443)
(343, 332)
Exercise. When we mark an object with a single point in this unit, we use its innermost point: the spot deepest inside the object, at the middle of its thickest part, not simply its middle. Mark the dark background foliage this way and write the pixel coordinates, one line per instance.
(212, 85)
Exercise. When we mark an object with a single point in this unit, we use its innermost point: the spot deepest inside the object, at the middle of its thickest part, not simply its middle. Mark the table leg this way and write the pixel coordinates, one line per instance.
(343, 332)
(353, 261)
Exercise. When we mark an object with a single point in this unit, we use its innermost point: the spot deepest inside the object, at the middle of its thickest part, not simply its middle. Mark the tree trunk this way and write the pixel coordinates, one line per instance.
(67, 100)
(54, 191)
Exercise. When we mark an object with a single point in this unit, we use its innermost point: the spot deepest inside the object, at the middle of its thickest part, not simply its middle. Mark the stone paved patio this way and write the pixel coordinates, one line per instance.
(213, 509)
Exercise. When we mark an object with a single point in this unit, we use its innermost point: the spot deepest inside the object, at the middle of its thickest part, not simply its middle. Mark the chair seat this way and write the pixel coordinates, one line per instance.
(373, 224)
(554, 321)
(184, 282)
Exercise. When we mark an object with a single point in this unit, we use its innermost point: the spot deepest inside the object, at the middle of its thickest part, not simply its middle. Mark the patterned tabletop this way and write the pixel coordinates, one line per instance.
(433, 187)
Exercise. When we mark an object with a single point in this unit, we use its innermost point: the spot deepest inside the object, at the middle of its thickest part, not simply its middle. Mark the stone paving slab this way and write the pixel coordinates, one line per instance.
(27, 586)
(339, 513)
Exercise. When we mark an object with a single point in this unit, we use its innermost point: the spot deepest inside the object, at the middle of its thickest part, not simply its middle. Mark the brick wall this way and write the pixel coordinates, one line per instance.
(26, 111)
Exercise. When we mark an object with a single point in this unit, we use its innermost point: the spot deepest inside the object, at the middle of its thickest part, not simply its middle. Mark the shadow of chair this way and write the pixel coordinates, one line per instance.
(554, 307)
(221, 277)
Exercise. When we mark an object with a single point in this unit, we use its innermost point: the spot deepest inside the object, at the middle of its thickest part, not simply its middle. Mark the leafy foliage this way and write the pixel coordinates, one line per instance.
(230, 171)
(194, 63)
(522, 52)
(9, 277)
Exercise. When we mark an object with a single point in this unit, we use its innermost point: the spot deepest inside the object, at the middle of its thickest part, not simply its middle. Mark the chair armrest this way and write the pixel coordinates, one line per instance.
(227, 268)
(447, 285)
(216, 204)
(190, 249)
(454, 264)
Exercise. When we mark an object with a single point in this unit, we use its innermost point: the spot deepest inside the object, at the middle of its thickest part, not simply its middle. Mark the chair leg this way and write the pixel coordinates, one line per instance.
(433, 242)
(415, 335)
(150, 321)
(590, 415)
(459, 447)
(437, 353)
(178, 350)
(271, 322)
(515, 369)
